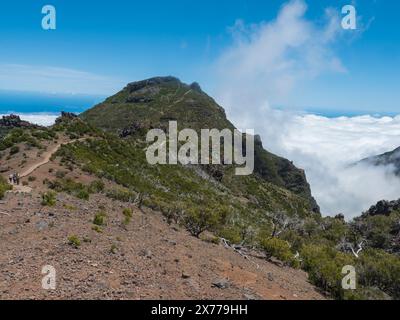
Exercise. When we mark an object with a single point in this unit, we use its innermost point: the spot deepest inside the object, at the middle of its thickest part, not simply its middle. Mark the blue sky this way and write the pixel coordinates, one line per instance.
(101, 45)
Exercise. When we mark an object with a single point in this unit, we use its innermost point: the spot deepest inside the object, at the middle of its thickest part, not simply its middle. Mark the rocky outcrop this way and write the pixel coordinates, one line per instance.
(135, 86)
(14, 121)
(66, 116)
(196, 87)
(383, 208)
(133, 129)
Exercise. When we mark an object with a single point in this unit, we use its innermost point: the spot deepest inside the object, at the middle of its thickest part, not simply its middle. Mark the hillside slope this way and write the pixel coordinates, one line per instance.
(146, 259)
(103, 248)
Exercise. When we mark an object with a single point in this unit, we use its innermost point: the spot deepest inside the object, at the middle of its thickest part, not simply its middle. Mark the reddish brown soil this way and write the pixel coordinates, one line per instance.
(150, 259)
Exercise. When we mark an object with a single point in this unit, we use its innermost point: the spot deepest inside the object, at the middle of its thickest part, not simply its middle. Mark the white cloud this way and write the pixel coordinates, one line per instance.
(43, 119)
(269, 59)
(55, 80)
(326, 148)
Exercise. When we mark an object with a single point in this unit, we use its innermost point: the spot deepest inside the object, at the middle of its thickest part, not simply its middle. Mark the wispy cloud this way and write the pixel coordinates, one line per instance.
(267, 60)
(55, 80)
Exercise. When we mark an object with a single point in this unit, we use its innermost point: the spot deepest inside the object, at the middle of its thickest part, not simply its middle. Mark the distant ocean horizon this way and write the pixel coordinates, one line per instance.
(45, 103)
(44, 108)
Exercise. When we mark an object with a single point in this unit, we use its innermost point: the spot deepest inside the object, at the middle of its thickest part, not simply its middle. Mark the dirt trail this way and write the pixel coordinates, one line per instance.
(47, 156)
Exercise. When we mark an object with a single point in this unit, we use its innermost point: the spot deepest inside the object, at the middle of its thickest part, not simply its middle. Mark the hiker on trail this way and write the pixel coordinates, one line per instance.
(17, 178)
(10, 178)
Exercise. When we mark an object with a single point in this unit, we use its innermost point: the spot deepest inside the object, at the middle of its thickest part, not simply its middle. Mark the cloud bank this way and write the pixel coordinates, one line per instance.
(264, 64)
(43, 119)
(326, 148)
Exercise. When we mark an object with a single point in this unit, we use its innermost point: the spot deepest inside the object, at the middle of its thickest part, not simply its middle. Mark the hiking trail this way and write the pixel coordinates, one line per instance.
(28, 171)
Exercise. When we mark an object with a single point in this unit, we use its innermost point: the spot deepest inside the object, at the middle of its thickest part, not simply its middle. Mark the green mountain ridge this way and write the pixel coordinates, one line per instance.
(152, 103)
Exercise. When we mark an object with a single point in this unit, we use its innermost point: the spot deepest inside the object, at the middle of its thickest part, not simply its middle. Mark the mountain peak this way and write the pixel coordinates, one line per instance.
(137, 85)
(196, 87)
(153, 102)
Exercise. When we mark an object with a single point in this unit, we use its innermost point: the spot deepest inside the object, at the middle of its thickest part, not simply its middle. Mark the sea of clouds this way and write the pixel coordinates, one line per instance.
(327, 148)
(267, 62)
(43, 119)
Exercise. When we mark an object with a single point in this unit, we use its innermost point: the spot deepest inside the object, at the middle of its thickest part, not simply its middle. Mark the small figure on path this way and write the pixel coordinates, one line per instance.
(10, 178)
(17, 178)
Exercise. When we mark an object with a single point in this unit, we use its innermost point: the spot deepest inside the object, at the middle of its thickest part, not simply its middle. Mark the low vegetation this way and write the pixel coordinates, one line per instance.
(74, 241)
(76, 189)
(280, 249)
(128, 213)
(4, 186)
(49, 199)
(100, 219)
(31, 137)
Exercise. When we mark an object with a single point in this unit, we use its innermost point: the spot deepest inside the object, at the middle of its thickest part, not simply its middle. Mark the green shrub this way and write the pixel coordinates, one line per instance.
(100, 219)
(121, 195)
(60, 174)
(82, 194)
(49, 199)
(198, 220)
(377, 268)
(96, 186)
(113, 249)
(4, 186)
(279, 249)
(324, 265)
(69, 186)
(127, 212)
(231, 234)
(74, 241)
(97, 229)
